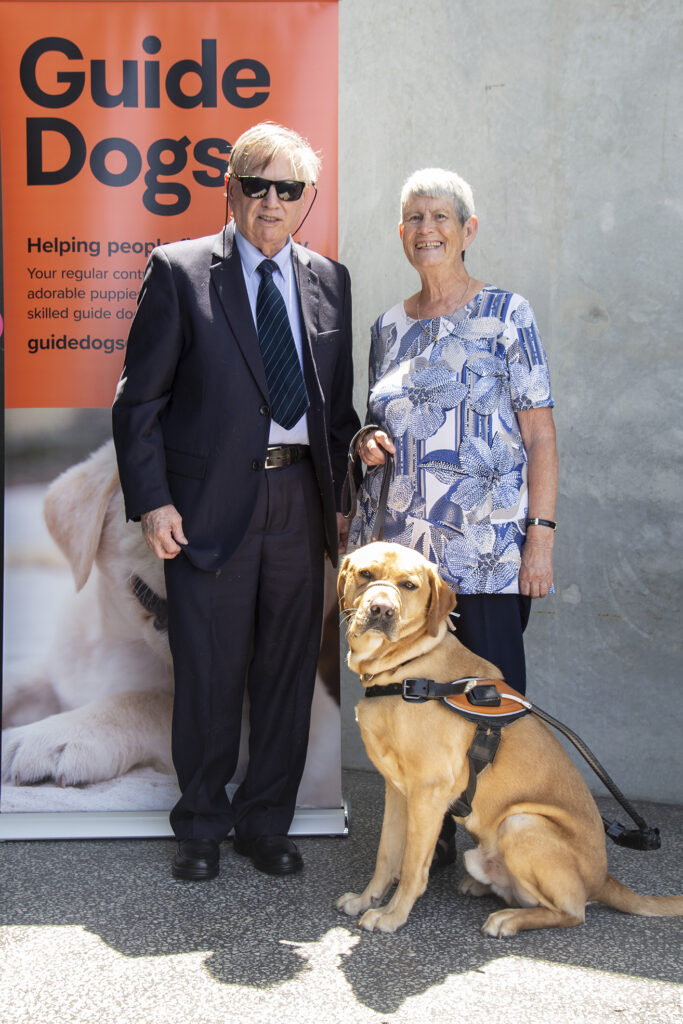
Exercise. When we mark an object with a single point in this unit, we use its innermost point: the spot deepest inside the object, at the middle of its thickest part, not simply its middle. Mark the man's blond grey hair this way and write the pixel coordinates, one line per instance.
(436, 183)
(258, 146)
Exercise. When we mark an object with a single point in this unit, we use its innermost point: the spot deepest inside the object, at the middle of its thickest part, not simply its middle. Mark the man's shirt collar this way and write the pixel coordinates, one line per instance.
(251, 256)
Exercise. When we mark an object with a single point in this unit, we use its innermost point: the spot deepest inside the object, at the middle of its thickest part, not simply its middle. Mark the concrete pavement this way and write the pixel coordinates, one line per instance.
(98, 931)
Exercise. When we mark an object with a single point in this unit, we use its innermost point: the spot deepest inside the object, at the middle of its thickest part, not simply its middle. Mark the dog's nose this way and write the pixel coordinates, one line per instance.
(382, 609)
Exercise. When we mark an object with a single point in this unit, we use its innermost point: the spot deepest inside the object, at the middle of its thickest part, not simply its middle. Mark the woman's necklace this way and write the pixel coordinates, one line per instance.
(429, 333)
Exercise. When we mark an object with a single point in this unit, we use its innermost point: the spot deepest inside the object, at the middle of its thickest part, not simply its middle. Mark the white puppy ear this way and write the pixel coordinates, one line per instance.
(441, 601)
(75, 506)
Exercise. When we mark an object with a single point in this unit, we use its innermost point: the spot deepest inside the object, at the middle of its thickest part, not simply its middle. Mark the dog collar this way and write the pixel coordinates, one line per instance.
(418, 689)
(151, 602)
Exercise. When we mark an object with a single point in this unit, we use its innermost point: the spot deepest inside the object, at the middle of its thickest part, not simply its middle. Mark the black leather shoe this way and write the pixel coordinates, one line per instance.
(276, 855)
(196, 859)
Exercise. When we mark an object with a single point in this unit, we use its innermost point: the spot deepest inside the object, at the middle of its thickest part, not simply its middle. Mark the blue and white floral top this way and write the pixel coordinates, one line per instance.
(447, 392)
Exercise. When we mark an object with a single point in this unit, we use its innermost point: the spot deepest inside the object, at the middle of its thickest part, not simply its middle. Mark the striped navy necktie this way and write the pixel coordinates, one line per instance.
(286, 386)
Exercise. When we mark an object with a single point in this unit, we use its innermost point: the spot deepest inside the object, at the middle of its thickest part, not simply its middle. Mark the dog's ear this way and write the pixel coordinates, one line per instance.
(341, 582)
(441, 601)
(75, 506)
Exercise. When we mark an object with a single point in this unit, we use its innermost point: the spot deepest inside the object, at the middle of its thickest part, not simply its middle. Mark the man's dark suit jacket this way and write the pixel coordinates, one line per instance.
(191, 416)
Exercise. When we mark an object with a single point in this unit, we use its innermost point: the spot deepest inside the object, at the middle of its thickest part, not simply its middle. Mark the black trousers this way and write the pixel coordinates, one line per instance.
(492, 625)
(255, 621)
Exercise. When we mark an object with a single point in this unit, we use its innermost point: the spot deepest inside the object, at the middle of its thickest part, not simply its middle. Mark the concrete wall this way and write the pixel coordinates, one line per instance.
(562, 117)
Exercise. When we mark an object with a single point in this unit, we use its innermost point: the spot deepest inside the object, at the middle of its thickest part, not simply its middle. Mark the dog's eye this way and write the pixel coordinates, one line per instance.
(407, 585)
(366, 574)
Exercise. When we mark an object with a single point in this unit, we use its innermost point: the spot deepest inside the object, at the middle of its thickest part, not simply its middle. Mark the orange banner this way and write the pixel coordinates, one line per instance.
(117, 122)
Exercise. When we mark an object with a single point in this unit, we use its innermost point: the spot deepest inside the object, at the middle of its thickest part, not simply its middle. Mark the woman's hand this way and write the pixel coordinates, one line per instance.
(373, 446)
(536, 571)
(538, 434)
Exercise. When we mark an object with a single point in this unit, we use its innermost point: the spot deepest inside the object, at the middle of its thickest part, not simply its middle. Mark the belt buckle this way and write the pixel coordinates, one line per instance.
(412, 698)
(277, 456)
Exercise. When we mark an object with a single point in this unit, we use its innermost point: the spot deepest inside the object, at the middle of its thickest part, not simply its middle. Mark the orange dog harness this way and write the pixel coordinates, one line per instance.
(491, 703)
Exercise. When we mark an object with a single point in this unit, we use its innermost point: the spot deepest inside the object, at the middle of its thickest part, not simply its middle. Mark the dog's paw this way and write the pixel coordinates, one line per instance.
(71, 749)
(471, 887)
(93, 743)
(351, 903)
(42, 752)
(502, 924)
(381, 920)
(24, 762)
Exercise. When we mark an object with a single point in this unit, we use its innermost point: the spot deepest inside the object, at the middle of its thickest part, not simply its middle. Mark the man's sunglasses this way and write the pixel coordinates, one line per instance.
(257, 188)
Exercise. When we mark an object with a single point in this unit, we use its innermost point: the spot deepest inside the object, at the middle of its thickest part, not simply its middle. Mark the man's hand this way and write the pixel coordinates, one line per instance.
(373, 446)
(162, 528)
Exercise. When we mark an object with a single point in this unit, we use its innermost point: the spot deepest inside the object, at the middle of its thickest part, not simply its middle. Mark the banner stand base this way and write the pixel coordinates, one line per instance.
(308, 821)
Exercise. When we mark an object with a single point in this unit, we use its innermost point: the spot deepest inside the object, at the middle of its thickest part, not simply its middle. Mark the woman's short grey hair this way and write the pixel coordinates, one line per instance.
(435, 183)
(258, 146)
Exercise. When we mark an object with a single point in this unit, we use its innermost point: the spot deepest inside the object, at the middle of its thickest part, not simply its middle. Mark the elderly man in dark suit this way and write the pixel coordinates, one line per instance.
(232, 421)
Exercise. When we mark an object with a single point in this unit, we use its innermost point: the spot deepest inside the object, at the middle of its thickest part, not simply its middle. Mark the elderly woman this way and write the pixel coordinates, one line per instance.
(459, 380)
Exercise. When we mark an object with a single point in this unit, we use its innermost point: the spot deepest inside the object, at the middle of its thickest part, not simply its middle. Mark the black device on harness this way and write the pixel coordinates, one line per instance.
(493, 705)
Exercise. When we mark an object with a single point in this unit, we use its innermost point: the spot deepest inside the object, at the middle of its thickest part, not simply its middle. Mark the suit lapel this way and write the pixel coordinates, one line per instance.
(308, 286)
(228, 280)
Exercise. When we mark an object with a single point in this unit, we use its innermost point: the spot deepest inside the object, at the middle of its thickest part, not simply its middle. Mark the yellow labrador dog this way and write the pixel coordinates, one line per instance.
(541, 842)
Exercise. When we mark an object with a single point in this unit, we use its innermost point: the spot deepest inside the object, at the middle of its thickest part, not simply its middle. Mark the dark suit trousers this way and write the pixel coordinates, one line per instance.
(491, 625)
(258, 619)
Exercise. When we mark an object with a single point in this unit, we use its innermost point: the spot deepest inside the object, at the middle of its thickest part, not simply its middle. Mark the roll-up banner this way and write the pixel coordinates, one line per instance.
(116, 123)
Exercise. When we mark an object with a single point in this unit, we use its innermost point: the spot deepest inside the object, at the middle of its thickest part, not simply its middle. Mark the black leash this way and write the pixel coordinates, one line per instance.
(349, 498)
(642, 838)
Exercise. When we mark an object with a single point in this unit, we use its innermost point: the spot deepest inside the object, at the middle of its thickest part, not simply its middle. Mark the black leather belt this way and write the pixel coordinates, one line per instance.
(279, 455)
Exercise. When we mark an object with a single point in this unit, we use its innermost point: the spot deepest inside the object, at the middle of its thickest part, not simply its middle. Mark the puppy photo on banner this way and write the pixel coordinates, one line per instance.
(87, 676)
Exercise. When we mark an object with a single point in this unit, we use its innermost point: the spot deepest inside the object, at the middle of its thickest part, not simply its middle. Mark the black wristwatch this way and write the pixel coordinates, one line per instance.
(541, 522)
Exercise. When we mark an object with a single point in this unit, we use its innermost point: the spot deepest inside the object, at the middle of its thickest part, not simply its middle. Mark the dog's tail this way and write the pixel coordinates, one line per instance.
(619, 896)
